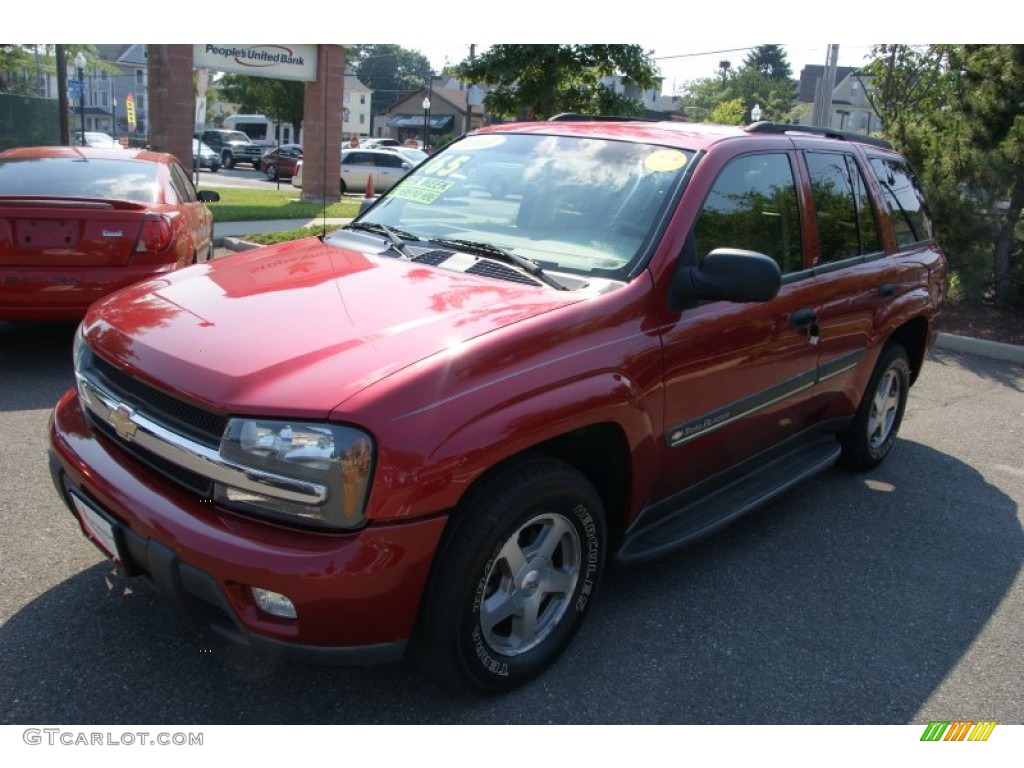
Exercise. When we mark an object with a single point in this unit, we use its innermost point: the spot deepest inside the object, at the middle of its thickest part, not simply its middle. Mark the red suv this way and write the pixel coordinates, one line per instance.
(430, 431)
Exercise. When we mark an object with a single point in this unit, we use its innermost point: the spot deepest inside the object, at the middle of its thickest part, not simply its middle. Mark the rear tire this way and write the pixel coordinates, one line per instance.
(517, 570)
(228, 161)
(871, 436)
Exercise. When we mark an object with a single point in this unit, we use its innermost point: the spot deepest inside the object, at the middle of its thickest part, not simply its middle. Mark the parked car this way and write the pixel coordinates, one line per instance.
(95, 139)
(204, 157)
(71, 232)
(358, 166)
(430, 430)
(280, 162)
(377, 143)
(233, 147)
(412, 154)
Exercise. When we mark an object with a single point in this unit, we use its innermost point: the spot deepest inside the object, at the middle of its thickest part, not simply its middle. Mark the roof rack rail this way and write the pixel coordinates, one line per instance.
(566, 117)
(765, 126)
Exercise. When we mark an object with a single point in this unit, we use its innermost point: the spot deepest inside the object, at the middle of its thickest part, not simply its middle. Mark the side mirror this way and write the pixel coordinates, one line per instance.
(727, 274)
(208, 196)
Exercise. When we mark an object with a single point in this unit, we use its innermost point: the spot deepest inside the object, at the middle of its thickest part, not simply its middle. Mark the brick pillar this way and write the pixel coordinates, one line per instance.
(171, 101)
(321, 127)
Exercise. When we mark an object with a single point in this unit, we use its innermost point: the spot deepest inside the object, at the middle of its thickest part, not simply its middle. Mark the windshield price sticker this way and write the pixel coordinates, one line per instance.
(665, 160)
(422, 190)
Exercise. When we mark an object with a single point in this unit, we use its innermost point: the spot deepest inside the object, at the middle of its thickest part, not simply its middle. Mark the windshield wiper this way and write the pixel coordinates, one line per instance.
(494, 251)
(394, 236)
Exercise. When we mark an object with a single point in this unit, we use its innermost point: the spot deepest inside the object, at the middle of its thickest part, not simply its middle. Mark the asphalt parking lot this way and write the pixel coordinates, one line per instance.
(891, 597)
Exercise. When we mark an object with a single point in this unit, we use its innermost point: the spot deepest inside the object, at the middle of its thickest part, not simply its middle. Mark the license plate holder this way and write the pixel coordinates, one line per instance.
(98, 527)
(47, 233)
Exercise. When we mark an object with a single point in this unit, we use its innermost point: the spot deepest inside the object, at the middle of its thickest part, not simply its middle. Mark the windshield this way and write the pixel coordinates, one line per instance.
(577, 204)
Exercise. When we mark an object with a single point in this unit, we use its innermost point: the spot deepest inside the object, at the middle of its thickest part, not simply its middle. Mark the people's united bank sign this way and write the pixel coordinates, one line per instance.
(282, 62)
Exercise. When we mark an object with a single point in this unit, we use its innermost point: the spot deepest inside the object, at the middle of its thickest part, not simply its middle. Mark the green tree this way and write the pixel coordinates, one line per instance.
(763, 79)
(770, 60)
(545, 80)
(954, 110)
(280, 100)
(391, 71)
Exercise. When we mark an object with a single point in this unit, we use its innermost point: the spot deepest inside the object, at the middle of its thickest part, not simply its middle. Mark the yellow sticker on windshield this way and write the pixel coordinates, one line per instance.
(422, 190)
(473, 143)
(665, 160)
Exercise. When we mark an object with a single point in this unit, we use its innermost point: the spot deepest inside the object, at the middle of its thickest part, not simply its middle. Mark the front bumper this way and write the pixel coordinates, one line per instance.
(356, 595)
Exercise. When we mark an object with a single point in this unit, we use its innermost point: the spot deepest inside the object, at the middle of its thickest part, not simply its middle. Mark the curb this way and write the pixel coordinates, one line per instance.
(992, 349)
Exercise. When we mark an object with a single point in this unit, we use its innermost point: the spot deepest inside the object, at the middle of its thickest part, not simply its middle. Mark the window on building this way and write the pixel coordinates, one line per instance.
(362, 98)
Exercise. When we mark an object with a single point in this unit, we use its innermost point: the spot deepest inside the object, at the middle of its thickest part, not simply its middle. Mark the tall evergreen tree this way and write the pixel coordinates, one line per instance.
(955, 111)
(770, 60)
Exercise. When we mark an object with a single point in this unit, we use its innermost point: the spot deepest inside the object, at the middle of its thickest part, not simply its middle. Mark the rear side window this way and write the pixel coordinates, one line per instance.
(846, 222)
(753, 206)
(910, 218)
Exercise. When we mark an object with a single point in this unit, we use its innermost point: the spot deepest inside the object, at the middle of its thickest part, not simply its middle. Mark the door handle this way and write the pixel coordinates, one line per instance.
(802, 318)
(886, 291)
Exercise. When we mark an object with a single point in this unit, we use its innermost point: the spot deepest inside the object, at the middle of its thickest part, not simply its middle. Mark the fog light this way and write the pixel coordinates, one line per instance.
(273, 603)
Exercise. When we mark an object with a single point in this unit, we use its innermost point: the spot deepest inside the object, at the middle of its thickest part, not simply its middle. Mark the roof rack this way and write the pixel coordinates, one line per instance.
(566, 117)
(816, 130)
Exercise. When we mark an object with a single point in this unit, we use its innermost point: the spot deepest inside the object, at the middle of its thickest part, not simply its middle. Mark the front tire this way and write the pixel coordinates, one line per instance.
(514, 578)
(271, 173)
(870, 437)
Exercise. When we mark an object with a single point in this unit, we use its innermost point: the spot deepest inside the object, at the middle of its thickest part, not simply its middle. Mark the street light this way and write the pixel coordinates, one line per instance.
(755, 113)
(113, 104)
(80, 66)
(426, 122)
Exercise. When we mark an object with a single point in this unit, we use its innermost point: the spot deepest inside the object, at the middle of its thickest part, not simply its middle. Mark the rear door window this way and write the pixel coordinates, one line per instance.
(846, 221)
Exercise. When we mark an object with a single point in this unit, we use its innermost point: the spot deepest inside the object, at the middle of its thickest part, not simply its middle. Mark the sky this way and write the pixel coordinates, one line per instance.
(687, 41)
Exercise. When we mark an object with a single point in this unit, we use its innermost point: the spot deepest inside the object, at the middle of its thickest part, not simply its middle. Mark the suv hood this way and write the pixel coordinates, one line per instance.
(297, 329)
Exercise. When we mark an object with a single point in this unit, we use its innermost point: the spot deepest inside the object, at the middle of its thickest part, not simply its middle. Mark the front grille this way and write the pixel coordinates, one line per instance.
(198, 484)
(200, 424)
(183, 418)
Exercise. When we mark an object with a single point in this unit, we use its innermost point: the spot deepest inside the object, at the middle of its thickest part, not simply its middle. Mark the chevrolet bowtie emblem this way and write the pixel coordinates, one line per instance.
(121, 419)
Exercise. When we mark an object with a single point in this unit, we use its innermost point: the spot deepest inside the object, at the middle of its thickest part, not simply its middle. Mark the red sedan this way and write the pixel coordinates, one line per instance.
(77, 223)
(280, 162)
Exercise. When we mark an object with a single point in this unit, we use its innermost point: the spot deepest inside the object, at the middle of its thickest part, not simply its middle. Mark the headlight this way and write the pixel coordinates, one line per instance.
(318, 474)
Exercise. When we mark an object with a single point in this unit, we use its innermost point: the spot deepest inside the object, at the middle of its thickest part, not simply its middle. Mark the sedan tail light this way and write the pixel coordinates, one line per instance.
(155, 235)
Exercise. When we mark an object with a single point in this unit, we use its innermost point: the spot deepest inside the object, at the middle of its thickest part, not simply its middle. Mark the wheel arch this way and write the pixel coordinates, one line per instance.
(913, 337)
(599, 452)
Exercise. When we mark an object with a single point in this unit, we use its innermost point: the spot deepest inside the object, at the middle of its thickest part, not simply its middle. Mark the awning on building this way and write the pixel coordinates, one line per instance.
(437, 122)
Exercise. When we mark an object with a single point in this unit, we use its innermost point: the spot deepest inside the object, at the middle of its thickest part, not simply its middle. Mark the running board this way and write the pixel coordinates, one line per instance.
(706, 514)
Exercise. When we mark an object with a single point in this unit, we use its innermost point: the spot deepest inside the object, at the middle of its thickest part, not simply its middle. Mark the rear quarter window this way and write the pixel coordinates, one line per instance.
(903, 194)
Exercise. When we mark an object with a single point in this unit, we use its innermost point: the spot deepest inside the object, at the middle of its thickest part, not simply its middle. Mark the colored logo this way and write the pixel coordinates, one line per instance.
(958, 730)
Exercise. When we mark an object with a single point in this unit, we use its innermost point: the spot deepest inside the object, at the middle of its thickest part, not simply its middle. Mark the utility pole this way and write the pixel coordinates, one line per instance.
(469, 92)
(62, 96)
(823, 94)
